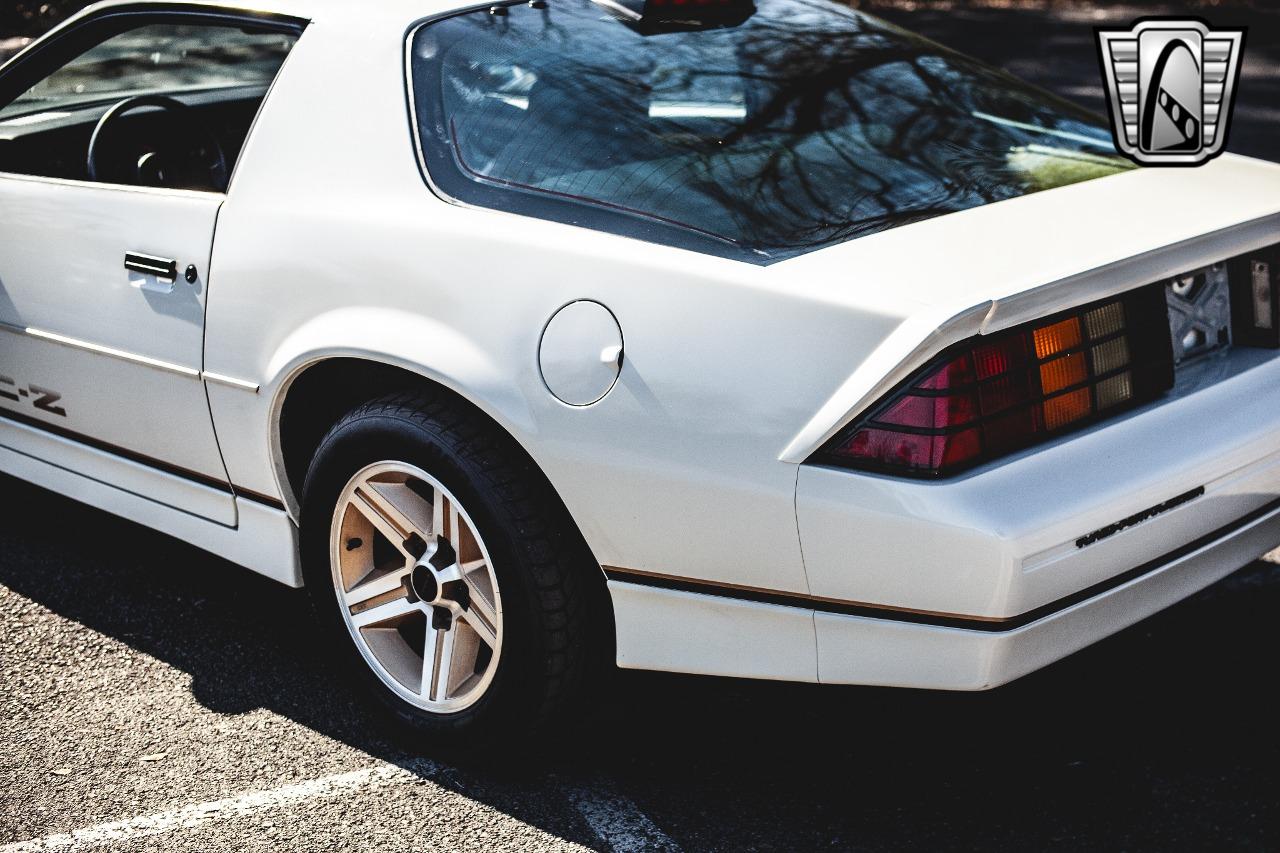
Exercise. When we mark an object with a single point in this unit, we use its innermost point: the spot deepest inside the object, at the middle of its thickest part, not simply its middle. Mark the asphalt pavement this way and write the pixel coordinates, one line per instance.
(154, 697)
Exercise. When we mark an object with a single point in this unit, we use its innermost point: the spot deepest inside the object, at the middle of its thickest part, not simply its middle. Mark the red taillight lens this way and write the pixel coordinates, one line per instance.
(993, 395)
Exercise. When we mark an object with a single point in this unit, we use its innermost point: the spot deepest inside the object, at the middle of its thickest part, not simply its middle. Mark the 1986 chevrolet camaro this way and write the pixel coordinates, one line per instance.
(762, 340)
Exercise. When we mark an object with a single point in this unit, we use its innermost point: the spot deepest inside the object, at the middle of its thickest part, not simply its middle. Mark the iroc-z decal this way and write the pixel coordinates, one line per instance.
(42, 398)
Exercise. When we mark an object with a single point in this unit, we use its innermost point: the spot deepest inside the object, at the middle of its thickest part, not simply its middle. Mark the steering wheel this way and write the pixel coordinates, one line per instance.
(217, 170)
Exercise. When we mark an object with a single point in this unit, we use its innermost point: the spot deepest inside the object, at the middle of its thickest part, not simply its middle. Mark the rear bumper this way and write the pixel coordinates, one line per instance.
(689, 626)
(1058, 520)
(853, 650)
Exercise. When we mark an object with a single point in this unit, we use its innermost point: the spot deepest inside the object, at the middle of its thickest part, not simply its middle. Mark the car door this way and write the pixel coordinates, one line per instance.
(104, 274)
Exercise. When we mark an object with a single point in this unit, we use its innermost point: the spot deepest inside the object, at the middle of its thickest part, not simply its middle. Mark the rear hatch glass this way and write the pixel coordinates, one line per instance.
(805, 125)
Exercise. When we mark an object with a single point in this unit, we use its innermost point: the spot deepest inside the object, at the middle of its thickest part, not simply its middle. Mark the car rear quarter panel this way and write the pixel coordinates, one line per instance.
(330, 244)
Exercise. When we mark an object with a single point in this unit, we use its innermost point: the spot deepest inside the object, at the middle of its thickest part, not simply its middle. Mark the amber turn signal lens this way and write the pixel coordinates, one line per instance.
(1067, 408)
(1060, 337)
(1063, 372)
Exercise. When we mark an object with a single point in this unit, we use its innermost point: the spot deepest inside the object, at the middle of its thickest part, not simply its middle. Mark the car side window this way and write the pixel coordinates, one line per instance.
(164, 104)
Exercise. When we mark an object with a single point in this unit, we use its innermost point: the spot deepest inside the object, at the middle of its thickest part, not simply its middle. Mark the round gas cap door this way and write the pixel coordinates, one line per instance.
(581, 353)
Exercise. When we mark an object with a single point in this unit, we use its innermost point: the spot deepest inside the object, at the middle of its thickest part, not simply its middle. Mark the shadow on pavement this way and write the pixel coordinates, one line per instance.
(1162, 738)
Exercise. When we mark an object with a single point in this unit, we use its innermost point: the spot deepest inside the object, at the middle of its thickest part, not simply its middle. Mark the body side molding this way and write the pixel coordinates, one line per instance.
(135, 358)
(924, 617)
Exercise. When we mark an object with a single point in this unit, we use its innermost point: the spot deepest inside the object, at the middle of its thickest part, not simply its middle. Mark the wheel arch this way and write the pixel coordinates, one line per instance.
(314, 396)
(320, 391)
(323, 388)
(390, 348)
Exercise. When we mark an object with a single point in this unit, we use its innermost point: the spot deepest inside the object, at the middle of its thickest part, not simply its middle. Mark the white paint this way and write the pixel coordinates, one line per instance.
(231, 808)
(675, 631)
(263, 540)
(618, 823)
(123, 352)
(580, 353)
(856, 650)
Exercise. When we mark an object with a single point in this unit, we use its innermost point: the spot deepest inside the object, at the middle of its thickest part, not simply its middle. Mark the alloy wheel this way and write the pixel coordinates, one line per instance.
(416, 587)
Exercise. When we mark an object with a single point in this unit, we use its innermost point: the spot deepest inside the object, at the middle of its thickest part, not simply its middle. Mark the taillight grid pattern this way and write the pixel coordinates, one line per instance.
(996, 394)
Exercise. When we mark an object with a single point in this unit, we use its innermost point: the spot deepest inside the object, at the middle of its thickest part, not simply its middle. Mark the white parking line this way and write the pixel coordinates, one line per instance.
(190, 817)
(616, 820)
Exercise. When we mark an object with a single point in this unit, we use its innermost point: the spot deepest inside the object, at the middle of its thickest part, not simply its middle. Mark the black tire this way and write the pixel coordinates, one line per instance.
(543, 567)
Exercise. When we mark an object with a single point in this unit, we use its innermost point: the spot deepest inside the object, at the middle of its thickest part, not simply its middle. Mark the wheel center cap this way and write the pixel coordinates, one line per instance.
(424, 584)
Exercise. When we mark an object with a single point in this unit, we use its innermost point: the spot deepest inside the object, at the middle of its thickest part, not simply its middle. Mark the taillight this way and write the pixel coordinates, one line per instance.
(992, 395)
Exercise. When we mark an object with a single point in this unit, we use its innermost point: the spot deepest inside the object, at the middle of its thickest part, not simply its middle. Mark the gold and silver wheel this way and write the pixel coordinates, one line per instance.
(416, 587)
(451, 588)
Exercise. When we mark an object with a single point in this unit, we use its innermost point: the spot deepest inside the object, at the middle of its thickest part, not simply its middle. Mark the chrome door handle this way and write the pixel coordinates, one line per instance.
(150, 265)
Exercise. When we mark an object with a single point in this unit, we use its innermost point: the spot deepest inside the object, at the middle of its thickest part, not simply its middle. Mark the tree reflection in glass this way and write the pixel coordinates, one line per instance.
(807, 125)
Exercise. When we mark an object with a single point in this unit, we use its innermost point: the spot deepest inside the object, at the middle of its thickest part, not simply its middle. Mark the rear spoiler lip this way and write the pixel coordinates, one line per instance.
(927, 333)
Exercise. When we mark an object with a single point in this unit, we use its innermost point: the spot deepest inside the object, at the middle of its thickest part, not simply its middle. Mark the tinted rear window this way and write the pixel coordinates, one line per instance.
(807, 125)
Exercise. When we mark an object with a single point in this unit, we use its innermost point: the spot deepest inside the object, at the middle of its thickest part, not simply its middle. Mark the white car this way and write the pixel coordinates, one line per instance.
(765, 340)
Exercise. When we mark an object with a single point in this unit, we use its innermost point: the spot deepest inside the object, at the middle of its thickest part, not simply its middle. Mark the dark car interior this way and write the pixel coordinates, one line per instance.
(192, 147)
(142, 98)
